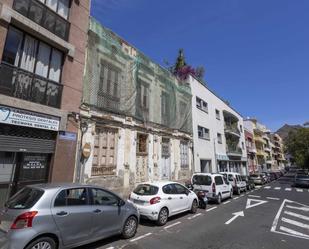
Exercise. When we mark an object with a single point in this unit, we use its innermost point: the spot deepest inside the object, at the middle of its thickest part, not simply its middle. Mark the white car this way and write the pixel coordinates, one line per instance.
(237, 182)
(215, 185)
(159, 200)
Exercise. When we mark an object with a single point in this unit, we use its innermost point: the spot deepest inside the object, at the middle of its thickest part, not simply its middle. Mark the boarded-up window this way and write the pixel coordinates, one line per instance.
(184, 155)
(104, 154)
(165, 147)
(165, 105)
(141, 147)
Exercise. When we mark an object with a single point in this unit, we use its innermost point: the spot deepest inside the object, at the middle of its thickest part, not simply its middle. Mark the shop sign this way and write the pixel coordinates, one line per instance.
(34, 162)
(13, 116)
(64, 135)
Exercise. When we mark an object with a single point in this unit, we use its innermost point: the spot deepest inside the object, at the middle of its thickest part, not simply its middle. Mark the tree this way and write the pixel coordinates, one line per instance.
(297, 146)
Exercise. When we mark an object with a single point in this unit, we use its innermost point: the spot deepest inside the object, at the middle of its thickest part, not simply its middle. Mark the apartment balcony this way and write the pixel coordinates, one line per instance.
(233, 150)
(268, 149)
(251, 149)
(259, 139)
(44, 16)
(18, 83)
(260, 152)
(232, 129)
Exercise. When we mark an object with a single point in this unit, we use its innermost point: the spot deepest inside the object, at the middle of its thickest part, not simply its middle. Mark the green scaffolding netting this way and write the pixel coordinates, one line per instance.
(122, 80)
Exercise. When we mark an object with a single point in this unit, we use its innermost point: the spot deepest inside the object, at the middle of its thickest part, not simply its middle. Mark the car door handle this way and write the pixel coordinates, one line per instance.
(169, 198)
(97, 211)
(62, 213)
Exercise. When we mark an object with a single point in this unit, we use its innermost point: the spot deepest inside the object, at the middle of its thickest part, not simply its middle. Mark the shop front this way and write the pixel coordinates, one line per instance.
(27, 145)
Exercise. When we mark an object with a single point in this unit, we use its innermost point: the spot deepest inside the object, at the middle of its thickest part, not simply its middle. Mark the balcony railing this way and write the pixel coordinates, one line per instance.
(232, 129)
(44, 16)
(22, 84)
(233, 150)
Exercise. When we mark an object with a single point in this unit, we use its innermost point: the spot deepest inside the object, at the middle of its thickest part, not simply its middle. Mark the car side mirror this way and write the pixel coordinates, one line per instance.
(121, 202)
(187, 192)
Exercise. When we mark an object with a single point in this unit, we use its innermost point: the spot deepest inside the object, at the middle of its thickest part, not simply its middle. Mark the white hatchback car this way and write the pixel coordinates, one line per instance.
(237, 182)
(215, 185)
(159, 200)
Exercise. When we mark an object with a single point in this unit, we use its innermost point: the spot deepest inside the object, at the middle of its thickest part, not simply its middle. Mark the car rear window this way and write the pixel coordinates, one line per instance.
(201, 180)
(302, 176)
(255, 175)
(146, 189)
(244, 178)
(230, 177)
(24, 199)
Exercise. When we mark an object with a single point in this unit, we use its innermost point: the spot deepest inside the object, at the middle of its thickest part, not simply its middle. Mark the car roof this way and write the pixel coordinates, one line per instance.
(207, 174)
(159, 183)
(232, 173)
(46, 186)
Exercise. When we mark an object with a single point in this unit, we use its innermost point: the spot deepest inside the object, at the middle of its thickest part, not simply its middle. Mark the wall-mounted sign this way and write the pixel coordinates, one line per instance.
(13, 116)
(86, 150)
(65, 135)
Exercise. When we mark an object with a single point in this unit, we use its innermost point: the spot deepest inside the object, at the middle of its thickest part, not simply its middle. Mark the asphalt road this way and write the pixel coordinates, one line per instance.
(274, 216)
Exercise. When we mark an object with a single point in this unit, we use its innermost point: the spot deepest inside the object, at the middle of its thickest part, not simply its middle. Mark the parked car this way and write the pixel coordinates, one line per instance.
(216, 187)
(235, 180)
(64, 216)
(249, 182)
(162, 199)
(266, 176)
(273, 176)
(258, 179)
(301, 180)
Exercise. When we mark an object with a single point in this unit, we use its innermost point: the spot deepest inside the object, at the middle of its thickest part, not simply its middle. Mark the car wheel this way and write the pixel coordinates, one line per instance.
(231, 194)
(238, 191)
(129, 228)
(194, 207)
(219, 200)
(42, 243)
(162, 217)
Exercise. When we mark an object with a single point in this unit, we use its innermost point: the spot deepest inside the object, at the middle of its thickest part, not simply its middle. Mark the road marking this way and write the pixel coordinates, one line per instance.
(226, 202)
(194, 216)
(256, 196)
(273, 198)
(236, 198)
(288, 189)
(267, 187)
(111, 247)
(211, 209)
(258, 186)
(258, 202)
(298, 208)
(242, 195)
(140, 237)
(172, 225)
(297, 215)
(299, 190)
(290, 231)
(275, 223)
(277, 188)
(238, 214)
(295, 223)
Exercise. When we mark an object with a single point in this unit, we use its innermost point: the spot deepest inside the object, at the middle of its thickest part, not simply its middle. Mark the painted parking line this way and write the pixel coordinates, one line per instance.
(288, 189)
(226, 202)
(194, 216)
(298, 208)
(140, 237)
(258, 186)
(111, 247)
(256, 196)
(235, 198)
(211, 209)
(273, 198)
(295, 223)
(293, 232)
(277, 188)
(172, 225)
(267, 187)
(299, 190)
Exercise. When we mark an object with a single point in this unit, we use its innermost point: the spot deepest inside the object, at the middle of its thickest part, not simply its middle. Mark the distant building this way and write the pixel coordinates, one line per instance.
(218, 133)
(251, 150)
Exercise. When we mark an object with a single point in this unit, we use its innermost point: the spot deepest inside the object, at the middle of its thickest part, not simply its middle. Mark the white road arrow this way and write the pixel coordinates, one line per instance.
(257, 202)
(237, 214)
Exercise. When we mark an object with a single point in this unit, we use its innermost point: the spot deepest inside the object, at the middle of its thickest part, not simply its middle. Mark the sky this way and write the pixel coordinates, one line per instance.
(255, 52)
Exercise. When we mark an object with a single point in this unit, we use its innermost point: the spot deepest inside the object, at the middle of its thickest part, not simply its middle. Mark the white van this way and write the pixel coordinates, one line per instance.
(216, 187)
(236, 181)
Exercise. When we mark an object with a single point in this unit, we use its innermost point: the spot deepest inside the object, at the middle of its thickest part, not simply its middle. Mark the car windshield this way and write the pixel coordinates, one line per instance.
(146, 189)
(302, 176)
(201, 180)
(24, 199)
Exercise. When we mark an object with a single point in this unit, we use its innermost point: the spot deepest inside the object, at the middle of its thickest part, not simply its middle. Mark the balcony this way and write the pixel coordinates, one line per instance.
(260, 152)
(18, 83)
(44, 16)
(233, 150)
(232, 129)
(259, 139)
(268, 149)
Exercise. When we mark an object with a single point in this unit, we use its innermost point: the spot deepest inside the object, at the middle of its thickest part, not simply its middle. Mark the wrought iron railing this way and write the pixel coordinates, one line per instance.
(44, 16)
(22, 84)
(233, 150)
(231, 128)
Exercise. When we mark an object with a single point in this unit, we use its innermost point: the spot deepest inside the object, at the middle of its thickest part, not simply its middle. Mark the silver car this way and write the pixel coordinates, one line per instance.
(64, 216)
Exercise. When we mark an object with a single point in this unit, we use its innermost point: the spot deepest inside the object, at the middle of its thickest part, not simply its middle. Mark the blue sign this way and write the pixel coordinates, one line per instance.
(64, 135)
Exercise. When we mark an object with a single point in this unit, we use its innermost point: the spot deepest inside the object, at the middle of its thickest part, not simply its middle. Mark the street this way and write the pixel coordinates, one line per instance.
(272, 216)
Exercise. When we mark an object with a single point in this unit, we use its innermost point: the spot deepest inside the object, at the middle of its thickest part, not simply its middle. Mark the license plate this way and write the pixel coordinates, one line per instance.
(140, 202)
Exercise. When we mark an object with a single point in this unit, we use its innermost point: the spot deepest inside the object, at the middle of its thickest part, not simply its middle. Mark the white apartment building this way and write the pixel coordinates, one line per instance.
(218, 133)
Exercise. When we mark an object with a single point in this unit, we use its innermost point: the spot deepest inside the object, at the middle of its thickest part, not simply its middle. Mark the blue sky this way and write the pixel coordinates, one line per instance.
(255, 52)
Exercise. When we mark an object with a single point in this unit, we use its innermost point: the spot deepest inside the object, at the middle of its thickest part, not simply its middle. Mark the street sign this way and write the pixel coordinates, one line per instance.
(255, 201)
